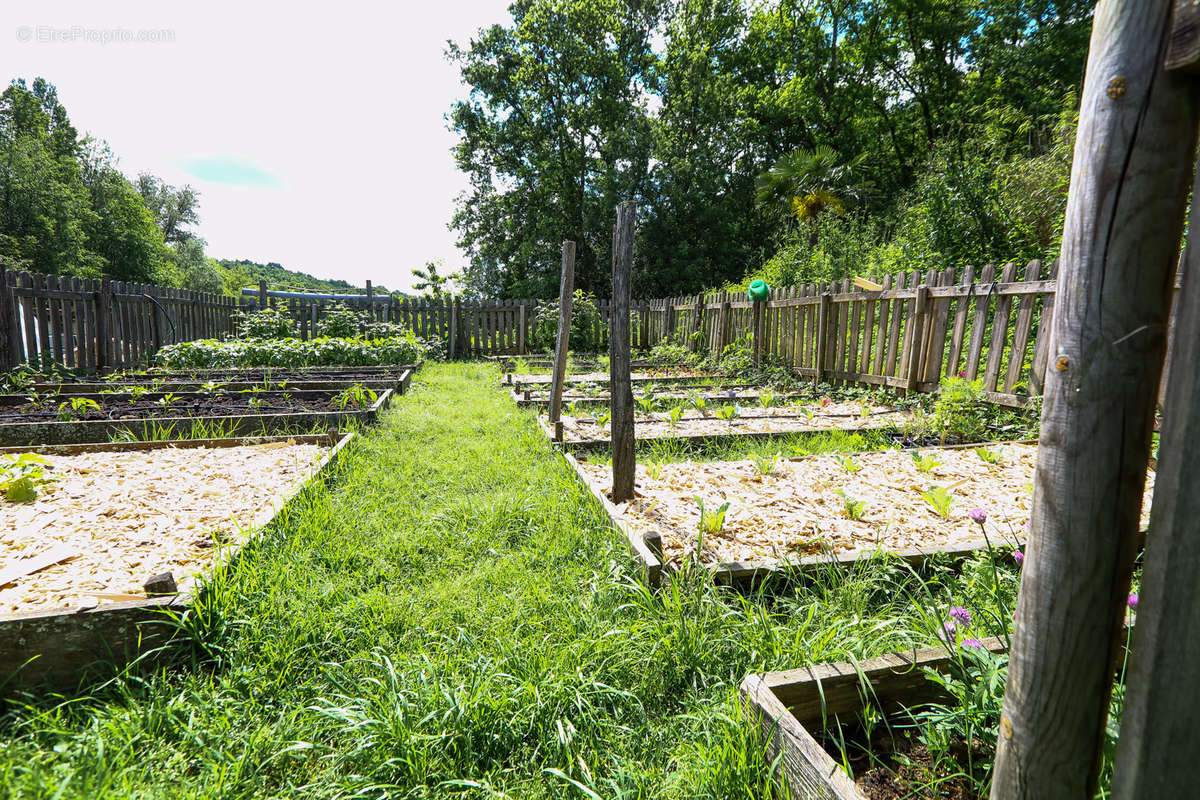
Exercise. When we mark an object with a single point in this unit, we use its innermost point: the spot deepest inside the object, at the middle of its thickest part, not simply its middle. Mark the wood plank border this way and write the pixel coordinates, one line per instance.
(61, 648)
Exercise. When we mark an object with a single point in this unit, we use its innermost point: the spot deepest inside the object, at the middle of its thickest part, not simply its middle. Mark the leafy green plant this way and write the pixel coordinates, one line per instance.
(272, 322)
(602, 419)
(712, 522)
(405, 348)
(988, 456)
(766, 399)
(765, 464)
(585, 335)
(848, 463)
(673, 416)
(647, 403)
(855, 509)
(924, 463)
(21, 475)
(76, 408)
(939, 499)
(728, 412)
(168, 399)
(960, 411)
(700, 403)
(356, 396)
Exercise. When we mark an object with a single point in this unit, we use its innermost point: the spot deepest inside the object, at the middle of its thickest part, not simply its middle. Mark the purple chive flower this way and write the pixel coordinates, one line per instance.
(961, 615)
(1019, 557)
(977, 515)
(948, 630)
(731, 393)
(1133, 600)
(972, 643)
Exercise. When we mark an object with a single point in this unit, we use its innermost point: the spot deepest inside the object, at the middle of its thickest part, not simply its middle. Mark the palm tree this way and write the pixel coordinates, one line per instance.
(807, 183)
(433, 284)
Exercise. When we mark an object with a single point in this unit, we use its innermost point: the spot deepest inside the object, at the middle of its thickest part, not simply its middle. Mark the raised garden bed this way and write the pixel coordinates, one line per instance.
(789, 704)
(712, 393)
(585, 433)
(663, 375)
(815, 510)
(74, 561)
(315, 378)
(163, 416)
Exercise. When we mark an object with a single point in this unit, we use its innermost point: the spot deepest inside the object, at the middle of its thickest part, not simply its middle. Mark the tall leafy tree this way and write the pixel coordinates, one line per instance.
(175, 209)
(554, 133)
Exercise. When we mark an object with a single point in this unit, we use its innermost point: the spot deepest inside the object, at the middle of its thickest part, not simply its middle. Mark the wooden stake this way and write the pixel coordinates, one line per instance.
(565, 288)
(1156, 756)
(620, 388)
(1129, 184)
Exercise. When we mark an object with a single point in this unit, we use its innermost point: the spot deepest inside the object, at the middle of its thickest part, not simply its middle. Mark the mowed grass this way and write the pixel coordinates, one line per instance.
(449, 616)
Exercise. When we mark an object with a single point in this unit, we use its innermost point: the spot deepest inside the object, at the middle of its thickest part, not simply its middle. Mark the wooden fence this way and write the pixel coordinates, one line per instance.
(96, 323)
(916, 328)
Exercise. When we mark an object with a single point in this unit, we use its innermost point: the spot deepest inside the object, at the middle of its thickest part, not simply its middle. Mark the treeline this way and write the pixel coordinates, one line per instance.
(66, 209)
(798, 140)
(240, 273)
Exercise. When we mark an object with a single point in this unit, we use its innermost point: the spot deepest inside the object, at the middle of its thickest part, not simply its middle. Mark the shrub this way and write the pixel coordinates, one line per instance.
(264, 323)
(585, 321)
(342, 322)
(960, 411)
(320, 352)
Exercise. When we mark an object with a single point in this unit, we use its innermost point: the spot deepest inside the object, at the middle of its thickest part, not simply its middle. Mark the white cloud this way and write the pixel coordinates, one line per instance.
(345, 108)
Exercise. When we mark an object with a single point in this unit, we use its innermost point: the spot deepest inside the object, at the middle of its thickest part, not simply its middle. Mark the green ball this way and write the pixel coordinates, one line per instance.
(759, 290)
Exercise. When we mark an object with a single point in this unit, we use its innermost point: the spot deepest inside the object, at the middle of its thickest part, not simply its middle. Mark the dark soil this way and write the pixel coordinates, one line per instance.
(897, 766)
(206, 405)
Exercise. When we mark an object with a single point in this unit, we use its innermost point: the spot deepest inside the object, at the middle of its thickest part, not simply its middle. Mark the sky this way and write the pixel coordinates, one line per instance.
(315, 135)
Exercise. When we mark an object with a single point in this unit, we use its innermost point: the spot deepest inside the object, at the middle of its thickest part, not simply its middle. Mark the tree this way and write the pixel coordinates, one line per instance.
(174, 209)
(431, 284)
(554, 132)
(196, 271)
(121, 231)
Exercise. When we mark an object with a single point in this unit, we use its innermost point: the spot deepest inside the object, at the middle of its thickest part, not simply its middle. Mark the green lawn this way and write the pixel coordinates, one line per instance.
(450, 617)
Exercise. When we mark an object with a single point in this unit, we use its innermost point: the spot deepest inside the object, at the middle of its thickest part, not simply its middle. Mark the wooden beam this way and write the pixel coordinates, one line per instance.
(1129, 187)
(565, 287)
(1156, 755)
(620, 388)
(1183, 48)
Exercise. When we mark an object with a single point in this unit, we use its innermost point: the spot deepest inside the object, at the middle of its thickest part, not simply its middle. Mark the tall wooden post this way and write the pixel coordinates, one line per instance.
(262, 294)
(1129, 183)
(522, 327)
(454, 312)
(822, 337)
(1156, 756)
(370, 302)
(566, 287)
(620, 388)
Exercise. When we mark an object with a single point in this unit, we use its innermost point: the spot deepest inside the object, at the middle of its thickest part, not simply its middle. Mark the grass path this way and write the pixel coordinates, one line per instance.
(449, 617)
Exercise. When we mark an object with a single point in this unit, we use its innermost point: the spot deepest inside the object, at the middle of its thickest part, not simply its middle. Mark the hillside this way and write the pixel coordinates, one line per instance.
(237, 274)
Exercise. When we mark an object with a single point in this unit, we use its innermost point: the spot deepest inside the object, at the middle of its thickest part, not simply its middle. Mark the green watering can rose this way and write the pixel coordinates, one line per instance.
(759, 290)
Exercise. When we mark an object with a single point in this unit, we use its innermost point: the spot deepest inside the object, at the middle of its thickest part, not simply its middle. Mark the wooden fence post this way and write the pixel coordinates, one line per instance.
(8, 311)
(756, 331)
(916, 342)
(1156, 755)
(566, 287)
(620, 388)
(822, 331)
(1134, 150)
(697, 324)
(452, 348)
(522, 324)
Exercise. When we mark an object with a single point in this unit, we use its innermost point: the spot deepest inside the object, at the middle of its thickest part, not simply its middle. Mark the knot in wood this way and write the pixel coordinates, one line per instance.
(1116, 87)
(1061, 363)
(1006, 727)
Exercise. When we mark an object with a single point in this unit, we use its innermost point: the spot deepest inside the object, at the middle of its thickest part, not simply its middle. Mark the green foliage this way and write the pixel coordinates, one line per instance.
(76, 408)
(765, 464)
(855, 509)
(988, 456)
(936, 128)
(727, 412)
(434, 285)
(848, 463)
(238, 274)
(960, 411)
(925, 463)
(319, 352)
(712, 521)
(272, 322)
(21, 475)
(674, 415)
(585, 322)
(356, 397)
(939, 499)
